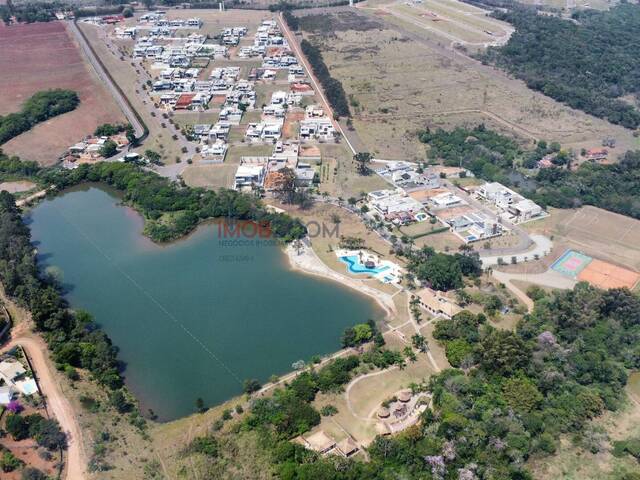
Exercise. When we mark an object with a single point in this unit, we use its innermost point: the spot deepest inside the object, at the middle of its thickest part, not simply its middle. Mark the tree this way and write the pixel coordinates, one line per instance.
(419, 342)
(251, 386)
(47, 433)
(118, 400)
(9, 462)
(127, 12)
(363, 159)
(108, 149)
(502, 352)
(153, 157)
(458, 350)
(200, 406)
(33, 474)
(440, 270)
(17, 427)
(521, 394)
(206, 445)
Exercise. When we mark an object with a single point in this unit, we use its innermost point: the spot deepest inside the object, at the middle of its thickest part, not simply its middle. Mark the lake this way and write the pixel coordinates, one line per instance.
(194, 318)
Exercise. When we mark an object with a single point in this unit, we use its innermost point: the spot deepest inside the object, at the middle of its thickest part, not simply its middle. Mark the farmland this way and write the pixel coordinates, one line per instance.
(43, 56)
(399, 80)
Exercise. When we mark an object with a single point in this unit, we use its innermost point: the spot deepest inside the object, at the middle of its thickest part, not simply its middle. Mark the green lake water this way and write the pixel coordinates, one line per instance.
(194, 318)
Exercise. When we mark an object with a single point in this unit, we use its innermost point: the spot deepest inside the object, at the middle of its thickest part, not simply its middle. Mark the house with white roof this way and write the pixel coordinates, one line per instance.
(248, 176)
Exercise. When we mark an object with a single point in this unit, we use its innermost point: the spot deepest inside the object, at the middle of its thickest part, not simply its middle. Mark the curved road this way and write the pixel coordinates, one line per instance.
(57, 403)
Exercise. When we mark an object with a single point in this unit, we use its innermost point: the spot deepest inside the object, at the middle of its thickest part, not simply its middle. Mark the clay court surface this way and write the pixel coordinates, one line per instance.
(601, 274)
(596, 232)
(41, 56)
(606, 275)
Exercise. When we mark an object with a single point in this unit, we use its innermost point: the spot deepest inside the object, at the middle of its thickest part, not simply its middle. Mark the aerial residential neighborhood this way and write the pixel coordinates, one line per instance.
(377, 239)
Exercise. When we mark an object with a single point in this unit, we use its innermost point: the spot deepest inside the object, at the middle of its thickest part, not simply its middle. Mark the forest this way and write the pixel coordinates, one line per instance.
(614, 187)
(589, 63)
(513, 396)
(38, 108)
(442, 271)
(484, 152)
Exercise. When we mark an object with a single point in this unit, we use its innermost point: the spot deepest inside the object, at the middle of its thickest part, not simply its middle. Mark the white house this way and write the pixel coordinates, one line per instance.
(248, 176)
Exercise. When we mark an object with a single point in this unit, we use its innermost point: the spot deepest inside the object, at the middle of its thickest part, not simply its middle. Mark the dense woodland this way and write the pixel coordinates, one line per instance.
(513, 396)
(442, 271)
(588, 63)
(38, 108)
(484, 152)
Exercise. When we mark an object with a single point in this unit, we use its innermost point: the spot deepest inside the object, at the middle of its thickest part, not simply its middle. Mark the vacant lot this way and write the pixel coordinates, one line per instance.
(41, 56)
(399, 81)
(596, 232)
(451, 22)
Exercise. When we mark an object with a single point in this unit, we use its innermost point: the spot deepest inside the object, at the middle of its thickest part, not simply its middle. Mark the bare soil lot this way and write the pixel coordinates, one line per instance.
(42, 56)
(399, 81)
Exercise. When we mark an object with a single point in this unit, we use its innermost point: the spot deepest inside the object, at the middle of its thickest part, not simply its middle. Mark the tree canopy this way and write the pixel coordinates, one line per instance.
(39, 107)
(589, 63)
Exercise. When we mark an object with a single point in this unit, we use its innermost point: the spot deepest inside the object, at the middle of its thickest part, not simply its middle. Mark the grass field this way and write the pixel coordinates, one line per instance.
(400, 81)
(596, 232)
(450, 23)
(41, 56)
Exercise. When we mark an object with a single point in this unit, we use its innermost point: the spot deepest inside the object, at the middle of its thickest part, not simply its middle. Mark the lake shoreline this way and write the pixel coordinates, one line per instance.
(306, 261)
(97, 242)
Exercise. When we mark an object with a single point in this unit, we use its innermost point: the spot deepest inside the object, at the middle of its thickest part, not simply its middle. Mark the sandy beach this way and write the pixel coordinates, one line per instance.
(305, 260)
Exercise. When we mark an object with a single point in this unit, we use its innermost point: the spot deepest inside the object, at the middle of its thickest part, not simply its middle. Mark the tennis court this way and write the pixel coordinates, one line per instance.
(571, 263)
(606, 275)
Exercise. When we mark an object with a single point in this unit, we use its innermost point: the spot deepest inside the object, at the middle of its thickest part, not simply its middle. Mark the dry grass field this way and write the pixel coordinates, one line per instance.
(41, 56)
(451, 21)
(596, 232)
(400, 81)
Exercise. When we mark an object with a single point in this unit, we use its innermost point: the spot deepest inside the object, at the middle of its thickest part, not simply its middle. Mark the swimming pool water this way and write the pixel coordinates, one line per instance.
(354, 265)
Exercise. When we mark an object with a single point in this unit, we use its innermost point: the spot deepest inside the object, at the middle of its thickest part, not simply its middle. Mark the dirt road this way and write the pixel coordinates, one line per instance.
(57, 403)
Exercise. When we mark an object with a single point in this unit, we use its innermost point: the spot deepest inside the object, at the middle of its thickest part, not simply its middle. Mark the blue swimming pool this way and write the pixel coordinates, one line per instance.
(354, 265)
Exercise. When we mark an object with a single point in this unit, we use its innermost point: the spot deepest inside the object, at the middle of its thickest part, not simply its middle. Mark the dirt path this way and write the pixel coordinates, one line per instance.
(549, 278)
(57, 403)
(25, 201)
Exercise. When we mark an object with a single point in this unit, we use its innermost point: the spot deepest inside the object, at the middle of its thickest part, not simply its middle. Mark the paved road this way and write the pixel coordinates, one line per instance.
(104, 77)
(542, 246)
(450, 19)
(293, 44)
(156, 119)
(57, 403)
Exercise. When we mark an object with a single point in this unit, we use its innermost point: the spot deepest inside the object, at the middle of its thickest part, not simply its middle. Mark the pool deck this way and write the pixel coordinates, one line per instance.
(385, 271)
